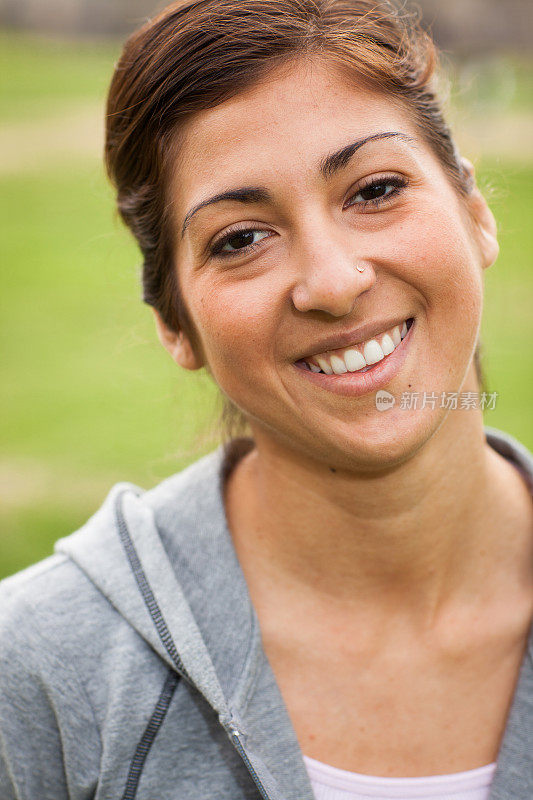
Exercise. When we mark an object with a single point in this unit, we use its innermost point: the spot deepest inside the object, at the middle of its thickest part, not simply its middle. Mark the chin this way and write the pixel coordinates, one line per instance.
(383, 440)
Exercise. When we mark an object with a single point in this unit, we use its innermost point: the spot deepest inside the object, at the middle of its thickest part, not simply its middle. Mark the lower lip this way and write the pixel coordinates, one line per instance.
(357, 384)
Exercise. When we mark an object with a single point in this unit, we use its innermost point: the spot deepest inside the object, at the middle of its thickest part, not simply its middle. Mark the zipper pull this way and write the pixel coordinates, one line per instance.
(235, 730)
(232, 724)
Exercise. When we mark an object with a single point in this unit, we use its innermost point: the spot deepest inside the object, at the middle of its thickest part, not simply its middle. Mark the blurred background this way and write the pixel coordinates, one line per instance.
(88, 396)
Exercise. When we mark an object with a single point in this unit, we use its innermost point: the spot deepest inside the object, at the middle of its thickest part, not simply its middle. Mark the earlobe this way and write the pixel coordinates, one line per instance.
(484, 220)
(487, 227)
(177, 344)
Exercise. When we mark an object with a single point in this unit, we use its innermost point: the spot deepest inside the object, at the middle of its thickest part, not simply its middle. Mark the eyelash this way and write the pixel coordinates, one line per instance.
(215, 250)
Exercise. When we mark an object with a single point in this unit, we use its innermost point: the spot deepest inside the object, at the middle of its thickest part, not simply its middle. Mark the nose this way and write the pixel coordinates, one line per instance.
(332, 284)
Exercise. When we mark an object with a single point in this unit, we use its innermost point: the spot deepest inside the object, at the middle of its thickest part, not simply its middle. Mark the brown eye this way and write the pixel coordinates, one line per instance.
(239, 241)
(373, 191)
(377, 192)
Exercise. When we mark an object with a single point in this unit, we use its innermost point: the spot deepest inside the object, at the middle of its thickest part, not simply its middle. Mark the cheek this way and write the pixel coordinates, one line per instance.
(236, 321)
(437, 257)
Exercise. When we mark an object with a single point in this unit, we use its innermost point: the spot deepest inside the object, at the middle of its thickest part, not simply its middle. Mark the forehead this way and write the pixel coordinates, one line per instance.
(281, 127)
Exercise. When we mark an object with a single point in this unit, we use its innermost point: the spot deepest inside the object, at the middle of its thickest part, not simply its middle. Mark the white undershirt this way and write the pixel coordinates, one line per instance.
(330, 783)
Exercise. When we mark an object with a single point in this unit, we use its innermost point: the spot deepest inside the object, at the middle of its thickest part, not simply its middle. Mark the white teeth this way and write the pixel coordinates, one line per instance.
(373, 352)
(354, 360)
(324, 366)
(387, 345)
(338, 366)
(396, 335)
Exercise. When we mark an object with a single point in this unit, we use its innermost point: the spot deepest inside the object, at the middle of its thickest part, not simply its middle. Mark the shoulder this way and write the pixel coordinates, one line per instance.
(44, 705)
(14, 585)
(51, 610)
(64, 598)
(43, 592)
(57, 598)
(44, 611)
(33, 593)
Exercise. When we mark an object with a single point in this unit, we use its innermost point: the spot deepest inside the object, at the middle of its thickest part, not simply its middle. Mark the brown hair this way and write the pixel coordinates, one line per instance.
(195, 55)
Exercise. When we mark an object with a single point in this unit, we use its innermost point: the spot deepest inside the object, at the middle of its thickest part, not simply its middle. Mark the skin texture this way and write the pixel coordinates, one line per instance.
(377, 530)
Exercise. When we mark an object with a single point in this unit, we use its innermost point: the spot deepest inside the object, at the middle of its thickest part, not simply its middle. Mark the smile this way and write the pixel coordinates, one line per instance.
(359, 357)
(370, 377)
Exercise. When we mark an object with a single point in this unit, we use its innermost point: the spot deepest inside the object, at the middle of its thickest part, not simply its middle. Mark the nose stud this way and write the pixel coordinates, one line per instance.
(360, 269)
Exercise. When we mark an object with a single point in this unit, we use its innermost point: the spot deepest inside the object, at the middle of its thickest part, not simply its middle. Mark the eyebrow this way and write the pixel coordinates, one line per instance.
(327, 167)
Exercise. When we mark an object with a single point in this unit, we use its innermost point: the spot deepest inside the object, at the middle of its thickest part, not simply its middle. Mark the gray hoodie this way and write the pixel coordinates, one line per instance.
(132, 664)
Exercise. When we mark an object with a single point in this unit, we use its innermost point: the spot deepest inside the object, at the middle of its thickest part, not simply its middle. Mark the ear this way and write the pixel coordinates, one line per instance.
(177, 344)
(483, 218)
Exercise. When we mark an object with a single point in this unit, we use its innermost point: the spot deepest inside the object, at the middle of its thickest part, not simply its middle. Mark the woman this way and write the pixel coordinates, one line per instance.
(338, 605)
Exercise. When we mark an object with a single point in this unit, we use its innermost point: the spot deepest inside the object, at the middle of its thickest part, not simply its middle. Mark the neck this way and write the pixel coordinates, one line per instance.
(417, 538)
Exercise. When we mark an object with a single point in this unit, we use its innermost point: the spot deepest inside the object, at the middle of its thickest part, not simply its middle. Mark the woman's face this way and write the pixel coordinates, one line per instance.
(270, 277)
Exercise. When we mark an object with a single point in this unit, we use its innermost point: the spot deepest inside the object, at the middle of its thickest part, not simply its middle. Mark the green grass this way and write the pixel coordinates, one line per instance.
(88, 382)
(88, 395)
(507, 330)
(30, 531)
(42, 75)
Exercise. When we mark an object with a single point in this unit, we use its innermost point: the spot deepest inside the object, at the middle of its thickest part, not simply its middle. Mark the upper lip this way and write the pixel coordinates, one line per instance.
(354, 336)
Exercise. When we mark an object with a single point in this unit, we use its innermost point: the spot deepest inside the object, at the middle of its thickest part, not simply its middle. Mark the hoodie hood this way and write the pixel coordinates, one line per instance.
(165, 561)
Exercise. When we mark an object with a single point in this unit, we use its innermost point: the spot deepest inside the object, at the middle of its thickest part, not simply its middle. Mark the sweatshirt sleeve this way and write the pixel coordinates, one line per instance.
(49, 742)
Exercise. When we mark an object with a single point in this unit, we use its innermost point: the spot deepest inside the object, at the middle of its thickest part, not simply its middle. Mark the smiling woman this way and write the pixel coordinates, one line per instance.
(337, 604)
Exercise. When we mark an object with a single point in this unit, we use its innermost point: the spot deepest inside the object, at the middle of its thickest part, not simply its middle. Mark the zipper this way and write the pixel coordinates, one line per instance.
(235, 734)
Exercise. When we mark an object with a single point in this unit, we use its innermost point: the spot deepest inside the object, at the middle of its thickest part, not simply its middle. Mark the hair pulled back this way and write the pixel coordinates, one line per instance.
(195, 55)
